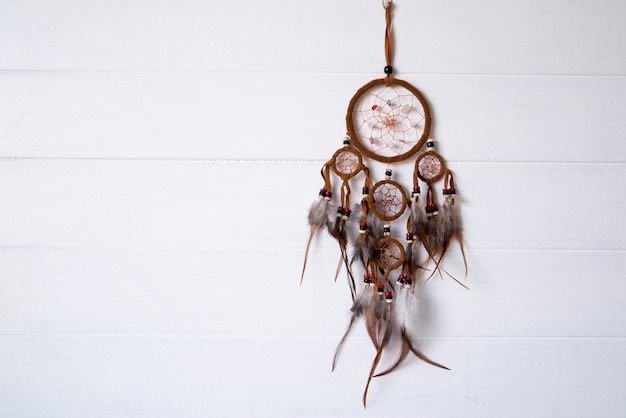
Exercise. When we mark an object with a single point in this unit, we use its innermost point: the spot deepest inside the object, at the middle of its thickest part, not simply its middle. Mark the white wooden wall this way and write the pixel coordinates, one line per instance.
(158, 158)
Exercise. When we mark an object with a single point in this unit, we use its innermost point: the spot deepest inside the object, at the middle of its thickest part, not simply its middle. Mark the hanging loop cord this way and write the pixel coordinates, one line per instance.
(388, 43)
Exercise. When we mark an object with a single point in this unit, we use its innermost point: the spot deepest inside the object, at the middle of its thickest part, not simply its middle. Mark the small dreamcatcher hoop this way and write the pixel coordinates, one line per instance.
(346, 163)
(389, 120)
(430, 166)
(387, 200)
(390, 254)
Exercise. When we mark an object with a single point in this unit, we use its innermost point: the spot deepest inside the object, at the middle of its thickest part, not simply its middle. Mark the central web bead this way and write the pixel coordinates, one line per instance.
(389, 122)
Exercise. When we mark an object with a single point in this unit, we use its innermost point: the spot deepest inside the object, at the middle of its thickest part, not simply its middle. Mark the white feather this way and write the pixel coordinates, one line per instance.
(399, 305)
(411, 312)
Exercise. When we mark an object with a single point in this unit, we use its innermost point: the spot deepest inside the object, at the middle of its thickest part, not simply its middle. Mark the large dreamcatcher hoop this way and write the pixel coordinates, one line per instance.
(388, 121)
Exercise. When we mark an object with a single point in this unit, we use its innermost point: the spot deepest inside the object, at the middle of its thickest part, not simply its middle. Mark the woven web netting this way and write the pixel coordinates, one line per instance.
(389, 120)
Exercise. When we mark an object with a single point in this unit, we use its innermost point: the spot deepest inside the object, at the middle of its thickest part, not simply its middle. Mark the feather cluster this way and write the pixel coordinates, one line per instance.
(387, 306)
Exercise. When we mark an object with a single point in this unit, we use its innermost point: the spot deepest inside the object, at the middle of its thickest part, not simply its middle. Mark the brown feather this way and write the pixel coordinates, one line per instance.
(375, 319)
(404, 351)
(452, 227)
(318, 218)
(385, 336)
(364, 246)
(419, 354)
(306, 251)
(358, 308)
(338, 231)
(353, 319)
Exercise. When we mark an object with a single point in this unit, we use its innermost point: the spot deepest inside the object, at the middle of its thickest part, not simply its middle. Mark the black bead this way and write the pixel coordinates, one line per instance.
(388, 69)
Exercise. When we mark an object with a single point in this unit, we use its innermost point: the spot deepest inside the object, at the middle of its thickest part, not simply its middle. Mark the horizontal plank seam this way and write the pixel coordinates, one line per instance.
(134, 249)
(34, 335)
(292, 161)
(305, 73)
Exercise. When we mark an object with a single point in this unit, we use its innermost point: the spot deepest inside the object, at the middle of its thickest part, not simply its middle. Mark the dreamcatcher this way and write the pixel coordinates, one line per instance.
(388, 121)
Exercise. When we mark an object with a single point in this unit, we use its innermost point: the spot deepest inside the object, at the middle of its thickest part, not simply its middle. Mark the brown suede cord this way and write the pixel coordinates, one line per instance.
(448, 182)
(325, 172)
(430, 195)
(388, 40)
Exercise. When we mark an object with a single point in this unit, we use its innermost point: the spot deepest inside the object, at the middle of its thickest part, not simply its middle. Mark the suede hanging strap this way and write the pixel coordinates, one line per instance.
(387, 4)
